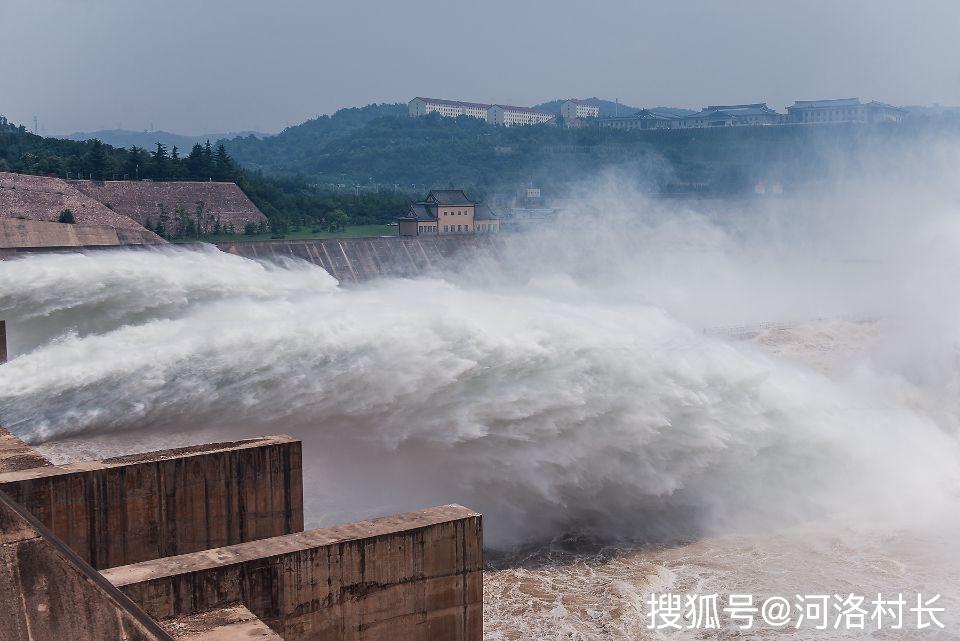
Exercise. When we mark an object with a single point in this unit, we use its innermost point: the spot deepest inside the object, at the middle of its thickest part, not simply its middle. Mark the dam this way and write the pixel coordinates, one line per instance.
(355, 260)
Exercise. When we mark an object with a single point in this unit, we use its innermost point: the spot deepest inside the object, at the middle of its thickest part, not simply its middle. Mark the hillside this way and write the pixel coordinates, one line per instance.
(295, 146)
(362, 146)
(287, 201)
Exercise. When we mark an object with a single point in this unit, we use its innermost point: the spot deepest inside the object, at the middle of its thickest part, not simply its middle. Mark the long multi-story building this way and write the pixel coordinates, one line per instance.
(504, 115)
(843, 110)
(579, 109)
(420, 106)
(510, 116)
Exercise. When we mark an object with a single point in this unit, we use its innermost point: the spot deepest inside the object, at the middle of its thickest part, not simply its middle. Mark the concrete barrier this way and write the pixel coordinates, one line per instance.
(410, 577)
(147, 506)
(48, 593)
(26, 235)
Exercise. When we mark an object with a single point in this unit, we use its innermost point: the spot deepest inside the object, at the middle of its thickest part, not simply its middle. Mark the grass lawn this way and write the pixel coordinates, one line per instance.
(354, 231)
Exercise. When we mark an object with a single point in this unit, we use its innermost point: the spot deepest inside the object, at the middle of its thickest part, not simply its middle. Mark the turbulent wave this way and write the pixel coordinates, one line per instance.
(544, 406)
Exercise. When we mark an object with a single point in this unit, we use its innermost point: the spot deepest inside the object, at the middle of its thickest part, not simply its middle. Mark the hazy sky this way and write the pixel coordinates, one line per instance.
(209, 66)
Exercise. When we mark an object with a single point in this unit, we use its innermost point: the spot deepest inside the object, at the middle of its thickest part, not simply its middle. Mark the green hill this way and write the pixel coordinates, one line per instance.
(288, 201)
(381, 144)
(295, 146)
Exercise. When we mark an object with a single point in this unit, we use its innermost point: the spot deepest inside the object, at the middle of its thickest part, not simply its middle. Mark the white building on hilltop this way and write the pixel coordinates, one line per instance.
(504, 115)
(510, 116)
(420, 106)
(843, 110)
(579, 109)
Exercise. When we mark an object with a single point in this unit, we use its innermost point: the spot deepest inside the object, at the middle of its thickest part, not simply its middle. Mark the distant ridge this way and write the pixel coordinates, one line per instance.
(126, 138)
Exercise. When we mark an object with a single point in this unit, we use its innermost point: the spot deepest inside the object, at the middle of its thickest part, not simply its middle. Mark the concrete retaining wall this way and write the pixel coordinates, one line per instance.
(48, 594)
(410, 577)
(134, 508)
(361, 259)
(16, 234)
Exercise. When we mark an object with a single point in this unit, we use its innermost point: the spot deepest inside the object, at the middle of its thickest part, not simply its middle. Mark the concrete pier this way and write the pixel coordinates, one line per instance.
(47, 593)
(147, 506)
(410, 577)
(249, 572)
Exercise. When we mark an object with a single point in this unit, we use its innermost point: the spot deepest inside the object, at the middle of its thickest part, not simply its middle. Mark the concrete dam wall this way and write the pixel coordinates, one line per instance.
(353, 260)
(206, 543)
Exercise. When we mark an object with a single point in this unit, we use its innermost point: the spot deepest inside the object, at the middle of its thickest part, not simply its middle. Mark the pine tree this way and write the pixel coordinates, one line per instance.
(160, 162)
(195, 163)
(223, 163)
(207, 170)
(96, 159)
(135, 163)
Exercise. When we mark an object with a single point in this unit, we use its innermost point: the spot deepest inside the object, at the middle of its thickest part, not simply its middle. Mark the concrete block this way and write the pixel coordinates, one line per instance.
(135, 508)
(48, 593)
(415, 576)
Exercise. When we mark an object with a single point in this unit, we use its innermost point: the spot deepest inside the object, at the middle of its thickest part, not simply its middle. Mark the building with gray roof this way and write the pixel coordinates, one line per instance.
(843, 110)
(447, 211)
(757, 113)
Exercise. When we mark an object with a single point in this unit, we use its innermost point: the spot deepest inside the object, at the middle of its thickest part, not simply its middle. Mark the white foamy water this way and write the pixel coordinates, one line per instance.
(589, 402)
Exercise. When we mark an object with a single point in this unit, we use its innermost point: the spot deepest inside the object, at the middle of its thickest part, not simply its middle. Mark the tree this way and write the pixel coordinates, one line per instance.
(222, 163)
(160, 162)
(337, 220)
(195, 163)
(135, 163)
(66, 216)
(249, 229)
(96, 159)
(198, 212)
(207, 168)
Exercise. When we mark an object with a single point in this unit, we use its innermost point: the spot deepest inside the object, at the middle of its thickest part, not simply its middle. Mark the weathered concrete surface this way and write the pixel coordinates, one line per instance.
(410, 577)
(15, 455)
(231, 623)
(361, 259)
(23, 196)
(147, 506)
(147, 201)
(16, 234)
(49, 594)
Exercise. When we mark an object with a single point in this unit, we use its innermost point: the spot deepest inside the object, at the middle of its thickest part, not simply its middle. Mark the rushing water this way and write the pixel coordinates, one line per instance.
(617, 440)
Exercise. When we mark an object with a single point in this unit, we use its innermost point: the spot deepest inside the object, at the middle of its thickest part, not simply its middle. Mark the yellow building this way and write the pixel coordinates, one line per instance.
(447, 211)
